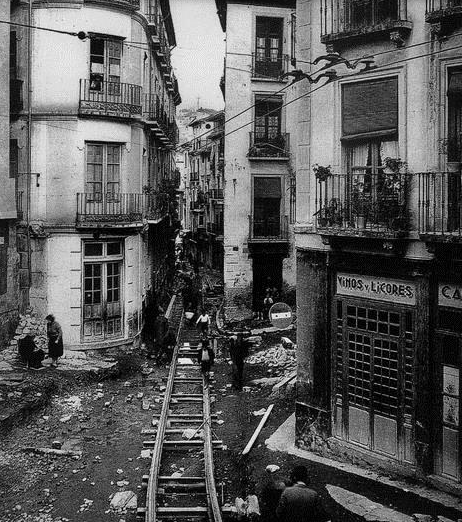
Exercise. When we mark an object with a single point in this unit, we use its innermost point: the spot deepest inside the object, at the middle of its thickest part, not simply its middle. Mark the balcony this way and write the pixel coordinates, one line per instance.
(268, 229)
(440, 206)
(267, 68)
(156, 118)
(119, 210)
(445, 12)
(109, 99)
(363, 205)
(343, 22)
(216, 229)
(269, 148)
(215, 194)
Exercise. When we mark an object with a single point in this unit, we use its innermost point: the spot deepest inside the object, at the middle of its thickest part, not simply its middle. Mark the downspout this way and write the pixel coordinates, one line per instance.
(29, 148)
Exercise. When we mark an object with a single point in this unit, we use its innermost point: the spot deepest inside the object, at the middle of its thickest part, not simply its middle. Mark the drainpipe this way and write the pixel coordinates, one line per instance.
(29, 149)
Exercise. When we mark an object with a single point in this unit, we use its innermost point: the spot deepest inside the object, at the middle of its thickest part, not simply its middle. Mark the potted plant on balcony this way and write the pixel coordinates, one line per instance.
(322, 173)
(360, 202)
(393, 165)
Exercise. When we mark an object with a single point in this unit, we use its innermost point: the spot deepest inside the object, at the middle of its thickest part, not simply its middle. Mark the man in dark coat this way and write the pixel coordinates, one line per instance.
(299, 503)
(160, 332)
(238, 351)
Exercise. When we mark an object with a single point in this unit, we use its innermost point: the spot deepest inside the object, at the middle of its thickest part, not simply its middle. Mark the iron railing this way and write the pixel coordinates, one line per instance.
(119, 209)
(269, 67)
(20, 204)
(215, 228)
(363, 203)
(268, 229)
(344, 16)
(269, 147)
(436, 9)
(98, 97)
(215, 193)
(440, 204)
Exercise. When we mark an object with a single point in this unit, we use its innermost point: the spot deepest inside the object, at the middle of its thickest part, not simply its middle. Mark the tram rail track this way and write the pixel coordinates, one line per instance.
(190, 495)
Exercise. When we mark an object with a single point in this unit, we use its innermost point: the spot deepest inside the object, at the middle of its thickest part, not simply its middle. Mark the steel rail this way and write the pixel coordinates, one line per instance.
(212, 496)
(151, 495)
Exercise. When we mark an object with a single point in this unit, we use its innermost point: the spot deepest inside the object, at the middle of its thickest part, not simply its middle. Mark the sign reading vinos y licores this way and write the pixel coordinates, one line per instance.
(450, 295)
(378, 288)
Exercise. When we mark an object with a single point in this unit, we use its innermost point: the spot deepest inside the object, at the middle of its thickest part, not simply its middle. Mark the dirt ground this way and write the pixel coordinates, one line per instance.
(104, 420)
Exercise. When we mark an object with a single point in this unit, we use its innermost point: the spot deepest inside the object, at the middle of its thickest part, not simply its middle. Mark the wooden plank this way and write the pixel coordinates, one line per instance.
(257, 431)
(285, 381)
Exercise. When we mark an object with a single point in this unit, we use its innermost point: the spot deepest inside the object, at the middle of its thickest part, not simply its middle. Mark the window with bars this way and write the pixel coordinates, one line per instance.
(376, 345)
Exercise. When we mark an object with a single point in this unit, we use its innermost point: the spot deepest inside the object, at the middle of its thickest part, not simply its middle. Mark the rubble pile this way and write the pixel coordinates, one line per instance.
(278, 359)
(31, 324)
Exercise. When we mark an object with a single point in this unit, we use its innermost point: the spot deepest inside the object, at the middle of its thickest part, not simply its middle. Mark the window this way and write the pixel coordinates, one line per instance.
(14, 159)
(4, 237)
(268, 46)
(268, 114)
(103, 170)
(267, 206)
(370, 108)
(13, 55)
(105, 61)
(454, 132)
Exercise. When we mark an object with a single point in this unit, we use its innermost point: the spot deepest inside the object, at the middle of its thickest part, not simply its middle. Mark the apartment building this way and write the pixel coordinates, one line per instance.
(206, 169)
(9, 282)
(259, 198)
(378, 233)
(94, 136)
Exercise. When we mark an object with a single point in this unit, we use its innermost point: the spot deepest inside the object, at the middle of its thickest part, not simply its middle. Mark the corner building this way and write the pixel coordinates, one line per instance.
(99, 126)
(379, 237)
(259, 191)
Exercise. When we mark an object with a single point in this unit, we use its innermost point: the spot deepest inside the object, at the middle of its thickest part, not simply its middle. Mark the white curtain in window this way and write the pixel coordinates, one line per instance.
(388, 149)
(359, 155)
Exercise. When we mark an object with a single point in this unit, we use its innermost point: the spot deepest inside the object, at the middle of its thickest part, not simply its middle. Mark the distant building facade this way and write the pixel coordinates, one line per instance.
(99, 190)
(259, 195)
(9, 261)
(378, 234)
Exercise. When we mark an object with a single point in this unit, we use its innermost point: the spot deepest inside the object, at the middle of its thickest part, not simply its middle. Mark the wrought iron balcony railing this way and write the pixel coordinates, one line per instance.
(440, 205)
(215, 228)
(101, 98)
(363, 204)
(215, 193)
(342, 17)
(439, 10)
(268, 67)
(263, 147)
(268, 229)
(116, 209)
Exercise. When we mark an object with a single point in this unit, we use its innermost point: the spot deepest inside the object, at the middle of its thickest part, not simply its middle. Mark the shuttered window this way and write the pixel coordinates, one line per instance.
(370, 108)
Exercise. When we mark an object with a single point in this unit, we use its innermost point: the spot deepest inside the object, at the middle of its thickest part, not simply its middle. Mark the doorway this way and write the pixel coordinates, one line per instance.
(267, 270)
(102, 299)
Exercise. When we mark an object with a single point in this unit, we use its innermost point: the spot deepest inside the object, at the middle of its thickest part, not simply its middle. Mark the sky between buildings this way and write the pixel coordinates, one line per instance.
(198, 58)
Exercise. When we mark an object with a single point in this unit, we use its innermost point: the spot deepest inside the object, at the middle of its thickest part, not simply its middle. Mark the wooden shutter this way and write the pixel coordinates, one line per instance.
(269, 187)
(370, 108)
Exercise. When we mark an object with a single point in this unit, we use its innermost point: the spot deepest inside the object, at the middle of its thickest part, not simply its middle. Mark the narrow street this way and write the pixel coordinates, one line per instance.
(98, 425)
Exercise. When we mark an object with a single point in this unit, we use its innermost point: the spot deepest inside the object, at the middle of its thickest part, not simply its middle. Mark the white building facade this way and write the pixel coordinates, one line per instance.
(378, 234)
(259, 192)
(101, 112)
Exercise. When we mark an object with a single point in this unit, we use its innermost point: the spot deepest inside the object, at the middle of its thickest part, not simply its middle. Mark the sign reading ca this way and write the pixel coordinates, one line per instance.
(450, 295)
(280, 315)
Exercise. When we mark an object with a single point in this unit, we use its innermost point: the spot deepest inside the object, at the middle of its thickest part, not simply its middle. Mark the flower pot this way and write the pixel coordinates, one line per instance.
(453, 166)
(360, 222)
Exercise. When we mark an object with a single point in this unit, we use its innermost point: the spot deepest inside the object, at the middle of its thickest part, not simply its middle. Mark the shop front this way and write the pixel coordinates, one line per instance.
(448, 348)
(373, 354)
